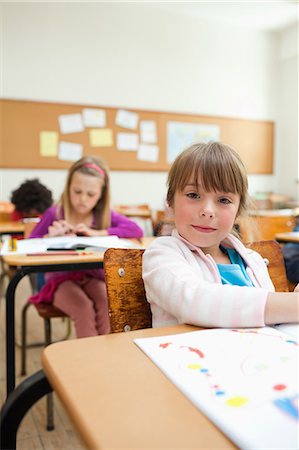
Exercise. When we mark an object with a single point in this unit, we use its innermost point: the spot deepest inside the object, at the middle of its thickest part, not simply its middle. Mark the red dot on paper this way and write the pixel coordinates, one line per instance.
(279, 387)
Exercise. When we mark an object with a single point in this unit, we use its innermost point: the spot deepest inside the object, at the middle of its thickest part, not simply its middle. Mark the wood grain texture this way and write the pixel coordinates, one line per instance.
(128, 307)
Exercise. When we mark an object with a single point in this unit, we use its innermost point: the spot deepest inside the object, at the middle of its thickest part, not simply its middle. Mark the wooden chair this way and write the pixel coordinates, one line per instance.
(141, 214)
(6, 208)
(271, 251)
(128, 307)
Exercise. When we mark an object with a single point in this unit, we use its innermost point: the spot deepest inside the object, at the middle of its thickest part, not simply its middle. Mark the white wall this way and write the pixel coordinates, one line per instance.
(139, 56)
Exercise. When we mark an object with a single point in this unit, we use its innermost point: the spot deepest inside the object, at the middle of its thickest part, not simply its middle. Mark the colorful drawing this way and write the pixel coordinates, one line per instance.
(236, 377)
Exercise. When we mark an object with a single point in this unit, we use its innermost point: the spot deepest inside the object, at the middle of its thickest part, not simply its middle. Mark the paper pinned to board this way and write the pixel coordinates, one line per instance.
(148, 131)
(101, 138)
(127, 141)
(70, 123)
(94, 118)
(127, 119)
(48, 143)
(147, 152)
(69, 151)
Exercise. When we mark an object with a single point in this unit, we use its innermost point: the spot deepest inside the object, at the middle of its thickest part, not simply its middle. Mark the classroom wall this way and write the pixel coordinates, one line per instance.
(142, 56)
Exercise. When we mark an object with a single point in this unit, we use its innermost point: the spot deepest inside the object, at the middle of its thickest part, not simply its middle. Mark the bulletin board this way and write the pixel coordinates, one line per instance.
(22, 122)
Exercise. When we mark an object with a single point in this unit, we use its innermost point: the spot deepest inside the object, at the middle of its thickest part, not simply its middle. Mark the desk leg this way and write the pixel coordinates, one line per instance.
(10, 330)
(18, 404)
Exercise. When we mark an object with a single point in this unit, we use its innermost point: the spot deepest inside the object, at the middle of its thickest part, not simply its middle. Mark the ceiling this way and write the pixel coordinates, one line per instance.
(269, 15)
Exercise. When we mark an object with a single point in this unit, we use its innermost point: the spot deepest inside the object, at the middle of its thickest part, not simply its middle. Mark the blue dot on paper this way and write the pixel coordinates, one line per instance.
(204, 370)
(219, 392)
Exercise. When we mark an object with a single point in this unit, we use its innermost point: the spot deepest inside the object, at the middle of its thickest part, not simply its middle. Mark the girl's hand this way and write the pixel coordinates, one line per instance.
(60, 228)
(84, 230)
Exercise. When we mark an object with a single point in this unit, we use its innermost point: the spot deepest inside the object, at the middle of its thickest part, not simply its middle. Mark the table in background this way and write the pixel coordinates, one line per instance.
(11, 228)
(123, 400)
(25, 265)
(292, 236)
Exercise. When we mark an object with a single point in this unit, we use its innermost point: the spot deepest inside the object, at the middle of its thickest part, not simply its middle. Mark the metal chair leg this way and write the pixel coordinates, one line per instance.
(24, 338)
(50, 403)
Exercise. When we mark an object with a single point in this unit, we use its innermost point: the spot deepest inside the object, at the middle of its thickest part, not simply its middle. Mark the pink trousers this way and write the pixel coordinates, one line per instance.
(85, 302)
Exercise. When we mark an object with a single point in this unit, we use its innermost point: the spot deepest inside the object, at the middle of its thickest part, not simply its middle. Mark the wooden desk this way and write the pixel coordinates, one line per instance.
(123, 400)
(292, 236)
(116, 396)
(24, 265)
(12, 228)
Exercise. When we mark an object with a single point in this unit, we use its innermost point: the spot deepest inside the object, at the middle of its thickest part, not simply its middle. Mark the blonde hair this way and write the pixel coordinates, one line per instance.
(215, 165)
(93, 166)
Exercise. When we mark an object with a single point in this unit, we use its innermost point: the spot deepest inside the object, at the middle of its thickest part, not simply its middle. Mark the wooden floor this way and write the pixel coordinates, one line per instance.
(32, 434)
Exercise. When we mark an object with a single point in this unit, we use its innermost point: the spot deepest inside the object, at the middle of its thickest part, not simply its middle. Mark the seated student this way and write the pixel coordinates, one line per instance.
(84, 209)
(30, 199)
(202, 274)
(291, 258)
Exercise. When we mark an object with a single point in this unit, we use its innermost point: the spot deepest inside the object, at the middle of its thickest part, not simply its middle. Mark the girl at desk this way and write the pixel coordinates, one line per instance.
(84, 209)
(202, 274)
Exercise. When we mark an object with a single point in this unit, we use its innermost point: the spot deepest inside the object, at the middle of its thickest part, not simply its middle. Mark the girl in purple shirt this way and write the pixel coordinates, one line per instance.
(84, 209)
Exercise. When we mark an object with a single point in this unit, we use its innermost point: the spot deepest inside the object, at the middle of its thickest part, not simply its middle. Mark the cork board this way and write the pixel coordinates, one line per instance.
(21, 123)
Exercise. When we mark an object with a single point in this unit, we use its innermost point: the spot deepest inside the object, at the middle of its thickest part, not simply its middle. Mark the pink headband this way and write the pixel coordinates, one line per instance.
(95, 167)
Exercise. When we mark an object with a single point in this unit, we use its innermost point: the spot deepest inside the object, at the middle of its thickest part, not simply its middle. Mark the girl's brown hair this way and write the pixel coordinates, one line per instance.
(89, 165)
(215, 165)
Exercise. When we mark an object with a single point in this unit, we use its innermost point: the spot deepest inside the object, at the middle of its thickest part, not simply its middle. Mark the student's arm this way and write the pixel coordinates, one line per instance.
(180, 289)
(41, 229)
(123, 227)
(282, 307)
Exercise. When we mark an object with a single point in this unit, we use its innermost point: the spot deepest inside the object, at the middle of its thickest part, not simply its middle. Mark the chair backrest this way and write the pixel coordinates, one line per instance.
(141, 214)
(6, 208)
(128, 307)
(272, 252)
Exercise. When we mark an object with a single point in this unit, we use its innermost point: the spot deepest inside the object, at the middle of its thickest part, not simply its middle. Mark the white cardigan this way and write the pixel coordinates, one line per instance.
(183, 285)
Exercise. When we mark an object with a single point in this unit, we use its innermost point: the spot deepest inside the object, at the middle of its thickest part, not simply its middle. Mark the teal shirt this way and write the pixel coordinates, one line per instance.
(234, 273)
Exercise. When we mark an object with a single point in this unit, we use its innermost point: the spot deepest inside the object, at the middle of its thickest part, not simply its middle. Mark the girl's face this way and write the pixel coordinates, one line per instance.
(85, 192)
(205, 218)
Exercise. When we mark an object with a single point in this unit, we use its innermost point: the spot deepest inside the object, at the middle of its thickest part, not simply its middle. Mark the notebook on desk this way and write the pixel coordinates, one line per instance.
(37, 245)
(244, 380)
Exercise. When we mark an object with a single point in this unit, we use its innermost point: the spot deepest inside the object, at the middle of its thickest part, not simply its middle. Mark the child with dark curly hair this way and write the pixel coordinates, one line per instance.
(30, 199)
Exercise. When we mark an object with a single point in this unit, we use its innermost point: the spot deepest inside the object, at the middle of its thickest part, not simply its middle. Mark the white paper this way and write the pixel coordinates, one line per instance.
(244, 380)
(127, 141)
(94, 117)
(148, 131)
(29, 246)
(70, 123)
(148, 153)
(126, 119)
(69, 151)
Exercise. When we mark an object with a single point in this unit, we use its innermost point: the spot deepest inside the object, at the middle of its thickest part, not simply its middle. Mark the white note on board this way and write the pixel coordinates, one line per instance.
(94, 118)
(69, 151)
(127, 141)
(148, 131)
(70, 123)
(126, 119)
(148, 153)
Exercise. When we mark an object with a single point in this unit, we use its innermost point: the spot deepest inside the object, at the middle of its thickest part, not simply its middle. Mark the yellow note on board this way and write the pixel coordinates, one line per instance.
(48, 143)
(101, 138)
